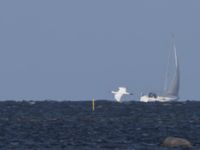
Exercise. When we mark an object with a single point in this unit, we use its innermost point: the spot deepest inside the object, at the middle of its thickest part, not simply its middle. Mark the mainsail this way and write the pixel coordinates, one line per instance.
(173, 88)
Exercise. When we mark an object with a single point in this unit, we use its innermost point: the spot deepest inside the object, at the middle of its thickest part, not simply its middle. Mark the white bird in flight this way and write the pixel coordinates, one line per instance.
(121, 91)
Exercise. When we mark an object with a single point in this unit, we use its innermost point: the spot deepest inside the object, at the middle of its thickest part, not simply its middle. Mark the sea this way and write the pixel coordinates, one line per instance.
(74, 125)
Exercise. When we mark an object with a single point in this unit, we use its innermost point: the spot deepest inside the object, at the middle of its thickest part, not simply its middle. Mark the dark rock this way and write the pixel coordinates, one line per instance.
(176, 142)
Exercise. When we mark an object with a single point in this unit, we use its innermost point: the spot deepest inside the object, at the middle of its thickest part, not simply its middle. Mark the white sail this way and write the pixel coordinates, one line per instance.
(173, 88)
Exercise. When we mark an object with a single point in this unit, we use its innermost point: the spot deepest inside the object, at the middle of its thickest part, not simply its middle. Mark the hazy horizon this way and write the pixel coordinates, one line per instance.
(79, 50)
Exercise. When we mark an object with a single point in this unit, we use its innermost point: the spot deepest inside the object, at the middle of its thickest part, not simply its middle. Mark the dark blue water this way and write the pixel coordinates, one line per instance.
(73, 125)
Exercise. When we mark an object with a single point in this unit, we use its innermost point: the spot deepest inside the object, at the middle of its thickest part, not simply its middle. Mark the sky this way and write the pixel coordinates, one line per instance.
(79, 50)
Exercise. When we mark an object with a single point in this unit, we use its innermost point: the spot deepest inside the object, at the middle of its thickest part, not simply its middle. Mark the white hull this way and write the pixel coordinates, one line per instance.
(146, 99)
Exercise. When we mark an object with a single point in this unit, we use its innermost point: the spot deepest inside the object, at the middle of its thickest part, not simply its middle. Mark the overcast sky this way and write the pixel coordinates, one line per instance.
(77, 50)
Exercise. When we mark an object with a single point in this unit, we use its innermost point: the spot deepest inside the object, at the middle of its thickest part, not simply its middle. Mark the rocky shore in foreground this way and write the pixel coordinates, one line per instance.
(69, 125)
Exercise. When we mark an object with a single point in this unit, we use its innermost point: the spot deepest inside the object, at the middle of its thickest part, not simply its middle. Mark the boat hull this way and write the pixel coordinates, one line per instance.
(146, 98)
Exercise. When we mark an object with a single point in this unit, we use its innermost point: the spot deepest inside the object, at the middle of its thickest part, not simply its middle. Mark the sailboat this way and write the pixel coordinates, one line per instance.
(170, 93)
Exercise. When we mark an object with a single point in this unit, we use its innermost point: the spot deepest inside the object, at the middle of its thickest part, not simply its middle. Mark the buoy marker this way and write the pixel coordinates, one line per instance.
(93, 105)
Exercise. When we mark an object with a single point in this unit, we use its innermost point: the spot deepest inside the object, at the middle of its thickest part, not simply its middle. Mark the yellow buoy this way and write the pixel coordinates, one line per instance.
(93, 105)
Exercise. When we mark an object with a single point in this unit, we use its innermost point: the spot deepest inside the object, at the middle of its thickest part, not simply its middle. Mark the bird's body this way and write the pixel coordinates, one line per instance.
(118, 94)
